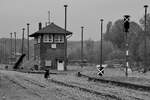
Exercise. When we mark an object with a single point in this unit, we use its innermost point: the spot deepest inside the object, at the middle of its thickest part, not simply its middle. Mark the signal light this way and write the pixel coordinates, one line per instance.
(126, 23)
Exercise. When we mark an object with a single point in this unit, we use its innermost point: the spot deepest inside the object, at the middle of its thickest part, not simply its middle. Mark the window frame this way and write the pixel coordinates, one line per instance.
(39, 39)
(47, 38)
(59, 39)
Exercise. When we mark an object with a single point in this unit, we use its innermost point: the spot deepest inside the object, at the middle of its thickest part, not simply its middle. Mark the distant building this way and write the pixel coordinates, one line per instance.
(49, 46)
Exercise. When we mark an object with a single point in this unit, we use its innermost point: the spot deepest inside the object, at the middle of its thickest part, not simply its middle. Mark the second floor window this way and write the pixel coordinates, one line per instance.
(47, 38)
(59, 38)
(50, 38)
(39, 39)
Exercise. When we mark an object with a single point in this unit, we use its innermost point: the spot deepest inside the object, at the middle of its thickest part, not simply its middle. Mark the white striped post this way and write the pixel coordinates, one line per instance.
(126, 30)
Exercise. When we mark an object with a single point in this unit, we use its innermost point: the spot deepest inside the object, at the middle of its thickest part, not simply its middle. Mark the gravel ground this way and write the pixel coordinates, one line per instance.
(119, 75)
(124, 93)
(21, 86)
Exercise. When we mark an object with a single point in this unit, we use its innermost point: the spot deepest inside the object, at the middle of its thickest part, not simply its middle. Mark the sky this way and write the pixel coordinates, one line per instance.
(15, 14)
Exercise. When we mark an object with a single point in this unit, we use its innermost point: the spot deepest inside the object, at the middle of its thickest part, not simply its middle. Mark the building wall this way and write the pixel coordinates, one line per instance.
(44, 51)
(36, 51)
(48, 53)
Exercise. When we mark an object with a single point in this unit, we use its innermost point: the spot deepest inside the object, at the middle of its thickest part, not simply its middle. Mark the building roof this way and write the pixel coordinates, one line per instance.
(51, 29)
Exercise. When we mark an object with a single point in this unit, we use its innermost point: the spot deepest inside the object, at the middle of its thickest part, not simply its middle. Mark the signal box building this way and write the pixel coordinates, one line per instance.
(49, 46)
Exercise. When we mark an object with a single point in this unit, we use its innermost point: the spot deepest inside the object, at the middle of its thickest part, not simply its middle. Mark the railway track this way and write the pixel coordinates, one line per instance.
(116, 83)
(109, 96)
(113, 97)
(35, 83)
(85, 89)
(79, 87)
(23, 86)
(113, 82)
(105, 95)
(74, 86)
(40, 72)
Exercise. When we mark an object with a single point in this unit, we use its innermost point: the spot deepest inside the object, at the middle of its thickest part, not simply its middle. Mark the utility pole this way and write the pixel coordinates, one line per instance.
(3, 49)
(15, 44)
(145, 40)
(126, 30)
(82, 46)
(28, 39)
(101, 44)
(22, 49)
(65, 42)
(10, 48)
(5, 58)
(49, 18)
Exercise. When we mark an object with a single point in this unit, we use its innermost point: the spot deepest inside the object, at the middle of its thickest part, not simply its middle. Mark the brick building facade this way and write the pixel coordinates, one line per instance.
(49, 46)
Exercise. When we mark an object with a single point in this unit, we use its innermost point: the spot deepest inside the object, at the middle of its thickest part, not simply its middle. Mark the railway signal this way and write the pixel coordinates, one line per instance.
(126, 23)
(126, 30)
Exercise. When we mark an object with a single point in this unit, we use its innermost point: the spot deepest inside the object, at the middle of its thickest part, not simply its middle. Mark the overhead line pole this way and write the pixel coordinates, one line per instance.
(49, 18)
(82, 46)
(28, 40)
(22, 49)
(5, 52)
(15, 44)
(10, 48)
(65, 42)
(145, 37)
(101, 43)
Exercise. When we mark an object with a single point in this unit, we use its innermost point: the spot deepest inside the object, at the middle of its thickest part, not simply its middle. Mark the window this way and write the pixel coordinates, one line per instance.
(50, 38)
(39, 39)
(59, 38)
(56, 38)
(35, 40)
(47, 38)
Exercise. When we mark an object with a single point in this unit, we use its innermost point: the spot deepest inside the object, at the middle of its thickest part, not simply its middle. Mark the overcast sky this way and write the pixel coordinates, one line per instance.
(14, 14)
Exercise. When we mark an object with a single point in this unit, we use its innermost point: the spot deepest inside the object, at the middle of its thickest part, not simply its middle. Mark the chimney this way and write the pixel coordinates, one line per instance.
(40, 26)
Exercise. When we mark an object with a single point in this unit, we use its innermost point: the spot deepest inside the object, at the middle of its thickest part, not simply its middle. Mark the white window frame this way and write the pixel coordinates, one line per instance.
(59, 39)
(35, 40)
(39, 39)
(48, 38)
(45, 38)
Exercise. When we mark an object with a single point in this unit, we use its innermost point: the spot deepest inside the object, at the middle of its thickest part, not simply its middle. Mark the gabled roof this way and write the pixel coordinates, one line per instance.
(51, 29)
